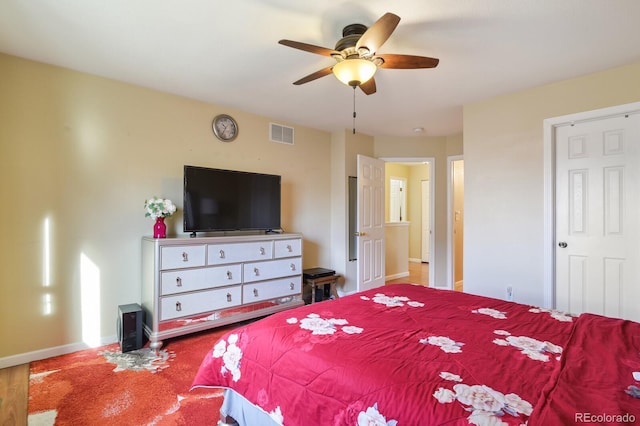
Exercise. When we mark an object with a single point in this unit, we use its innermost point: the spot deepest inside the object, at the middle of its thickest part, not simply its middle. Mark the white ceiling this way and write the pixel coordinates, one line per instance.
(226, 52)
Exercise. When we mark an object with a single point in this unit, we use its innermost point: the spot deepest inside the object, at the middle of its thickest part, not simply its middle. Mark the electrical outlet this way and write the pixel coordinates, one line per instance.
(510, 293)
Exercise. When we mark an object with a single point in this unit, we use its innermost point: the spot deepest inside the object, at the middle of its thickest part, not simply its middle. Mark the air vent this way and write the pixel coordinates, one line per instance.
(280, 133)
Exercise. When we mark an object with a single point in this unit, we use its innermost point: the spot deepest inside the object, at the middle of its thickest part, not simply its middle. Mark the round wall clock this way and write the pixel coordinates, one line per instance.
(225, 127)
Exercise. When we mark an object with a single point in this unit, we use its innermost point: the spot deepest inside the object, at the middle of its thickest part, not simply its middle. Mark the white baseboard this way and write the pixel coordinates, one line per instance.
(396, 276)
(24, 358)
(415, 260)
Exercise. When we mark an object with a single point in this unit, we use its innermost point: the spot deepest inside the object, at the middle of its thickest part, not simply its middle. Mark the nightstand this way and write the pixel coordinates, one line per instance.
(320, 282)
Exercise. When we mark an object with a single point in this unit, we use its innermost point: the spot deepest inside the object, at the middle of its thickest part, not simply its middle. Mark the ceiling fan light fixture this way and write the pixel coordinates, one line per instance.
(354, 72)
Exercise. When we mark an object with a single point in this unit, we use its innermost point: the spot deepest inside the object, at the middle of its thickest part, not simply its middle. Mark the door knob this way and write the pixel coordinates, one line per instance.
(562, 244)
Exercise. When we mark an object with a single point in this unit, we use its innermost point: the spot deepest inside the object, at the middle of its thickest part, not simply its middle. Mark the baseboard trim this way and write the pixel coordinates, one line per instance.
(24, 358)
(396, 276)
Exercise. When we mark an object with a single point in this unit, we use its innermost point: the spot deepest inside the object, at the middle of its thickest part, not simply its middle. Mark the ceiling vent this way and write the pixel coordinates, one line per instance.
(280, 133)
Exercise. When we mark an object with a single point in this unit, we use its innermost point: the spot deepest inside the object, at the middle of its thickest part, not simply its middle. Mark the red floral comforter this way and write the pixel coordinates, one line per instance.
(408, 355)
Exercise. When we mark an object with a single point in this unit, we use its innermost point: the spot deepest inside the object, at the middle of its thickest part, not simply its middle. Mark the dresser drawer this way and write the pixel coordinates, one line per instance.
(287, 248)
(259, 271)
(173, 282)
(175, 257)
(187, 304)
(218, 254)
(265, 290)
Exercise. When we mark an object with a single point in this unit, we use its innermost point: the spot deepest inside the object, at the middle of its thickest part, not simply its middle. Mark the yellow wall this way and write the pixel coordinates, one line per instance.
(503, 165)
(82, 153)
(396, 259)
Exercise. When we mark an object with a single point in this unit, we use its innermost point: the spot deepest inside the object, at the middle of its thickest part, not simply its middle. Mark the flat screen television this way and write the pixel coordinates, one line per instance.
(229, 200)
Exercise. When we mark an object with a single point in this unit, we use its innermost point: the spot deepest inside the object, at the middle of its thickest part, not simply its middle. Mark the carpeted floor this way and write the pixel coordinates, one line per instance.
(105, 387)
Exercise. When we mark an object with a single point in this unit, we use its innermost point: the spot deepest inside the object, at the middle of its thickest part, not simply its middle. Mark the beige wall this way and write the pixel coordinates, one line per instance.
(396, 240)
(503, 153)
(82, 153)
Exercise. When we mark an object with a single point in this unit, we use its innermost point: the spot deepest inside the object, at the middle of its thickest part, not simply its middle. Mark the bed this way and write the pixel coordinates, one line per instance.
(412, 355)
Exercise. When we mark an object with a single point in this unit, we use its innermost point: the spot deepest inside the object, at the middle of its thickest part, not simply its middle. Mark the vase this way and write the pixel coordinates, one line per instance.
(159, 228)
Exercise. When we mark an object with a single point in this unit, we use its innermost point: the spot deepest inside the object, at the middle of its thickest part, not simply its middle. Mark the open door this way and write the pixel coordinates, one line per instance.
(370, 227)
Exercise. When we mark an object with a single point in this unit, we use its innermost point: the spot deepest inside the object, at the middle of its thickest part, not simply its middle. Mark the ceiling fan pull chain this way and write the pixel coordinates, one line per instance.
(354, 110)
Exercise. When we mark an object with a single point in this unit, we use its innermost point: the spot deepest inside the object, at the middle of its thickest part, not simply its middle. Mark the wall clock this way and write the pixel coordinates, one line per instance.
(225, 127)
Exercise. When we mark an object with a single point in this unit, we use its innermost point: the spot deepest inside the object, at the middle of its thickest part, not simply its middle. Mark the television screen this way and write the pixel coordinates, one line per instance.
(228, 200)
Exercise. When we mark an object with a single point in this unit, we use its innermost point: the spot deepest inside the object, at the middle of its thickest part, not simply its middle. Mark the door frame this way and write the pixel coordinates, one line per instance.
(432, 173)
(430, 207)
(450, 240)
(549, 193)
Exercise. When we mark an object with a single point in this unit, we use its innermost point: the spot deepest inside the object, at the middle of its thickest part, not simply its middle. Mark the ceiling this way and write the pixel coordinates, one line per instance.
(226, 53)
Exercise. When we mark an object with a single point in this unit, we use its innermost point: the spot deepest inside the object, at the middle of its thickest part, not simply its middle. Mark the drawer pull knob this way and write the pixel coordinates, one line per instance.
(228, 297)
(221, 254)
(262, 251)
(256, 271)
(255, 292)
(289, 249)
(293, 267)
(292, 286)
(229, 275)
(179, 282)
(185, 256)
(178, 306)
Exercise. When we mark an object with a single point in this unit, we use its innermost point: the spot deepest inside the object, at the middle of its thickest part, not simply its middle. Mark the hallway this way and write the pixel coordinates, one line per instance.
(418, 274)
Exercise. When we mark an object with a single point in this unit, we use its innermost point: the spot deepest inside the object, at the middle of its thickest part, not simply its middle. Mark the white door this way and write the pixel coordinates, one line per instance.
(397, 199)
(426, 221)
(370, 227)
(598, 217)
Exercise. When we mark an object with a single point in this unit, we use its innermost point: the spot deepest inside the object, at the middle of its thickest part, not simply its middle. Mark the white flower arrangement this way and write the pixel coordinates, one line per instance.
(159, 207)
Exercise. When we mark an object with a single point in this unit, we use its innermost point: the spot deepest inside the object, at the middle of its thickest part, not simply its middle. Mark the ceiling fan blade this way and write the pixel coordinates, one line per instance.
(314, 76)
(378, 33)
(408, 61)
(309, 47)
(369, 87)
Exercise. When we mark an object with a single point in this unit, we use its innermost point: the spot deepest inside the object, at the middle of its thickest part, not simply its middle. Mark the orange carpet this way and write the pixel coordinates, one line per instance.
(102, 386)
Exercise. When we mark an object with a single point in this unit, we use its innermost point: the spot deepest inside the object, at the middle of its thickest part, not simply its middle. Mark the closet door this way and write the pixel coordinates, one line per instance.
(598, 216)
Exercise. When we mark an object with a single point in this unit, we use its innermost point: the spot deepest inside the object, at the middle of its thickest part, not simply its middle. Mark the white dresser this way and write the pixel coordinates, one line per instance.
(192, 284)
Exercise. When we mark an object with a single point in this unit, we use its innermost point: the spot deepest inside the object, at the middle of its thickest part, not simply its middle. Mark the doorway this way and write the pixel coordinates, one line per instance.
(419, 178)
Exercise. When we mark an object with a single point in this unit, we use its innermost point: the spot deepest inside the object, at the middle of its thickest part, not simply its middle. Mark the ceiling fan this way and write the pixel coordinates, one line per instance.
(356, 54)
